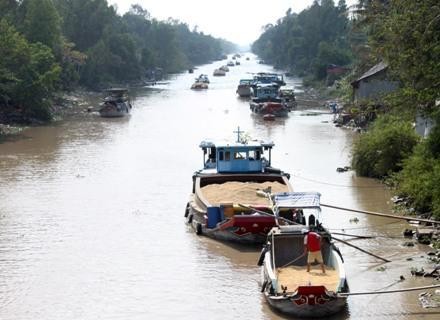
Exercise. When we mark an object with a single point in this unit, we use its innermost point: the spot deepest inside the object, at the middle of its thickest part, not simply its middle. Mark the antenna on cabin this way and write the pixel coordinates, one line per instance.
(238, 133)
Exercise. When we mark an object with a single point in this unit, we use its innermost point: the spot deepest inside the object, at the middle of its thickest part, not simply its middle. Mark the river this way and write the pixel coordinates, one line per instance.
(92, 212)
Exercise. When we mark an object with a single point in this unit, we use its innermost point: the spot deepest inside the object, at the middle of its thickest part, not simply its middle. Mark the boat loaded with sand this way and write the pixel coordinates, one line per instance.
(226, 201)
(285, 282)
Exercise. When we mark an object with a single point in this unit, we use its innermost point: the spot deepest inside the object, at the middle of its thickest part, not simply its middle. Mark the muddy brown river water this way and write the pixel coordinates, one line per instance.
(91, 212)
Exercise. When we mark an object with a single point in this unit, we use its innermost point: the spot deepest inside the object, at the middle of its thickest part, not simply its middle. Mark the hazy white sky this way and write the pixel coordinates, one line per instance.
(239, 21)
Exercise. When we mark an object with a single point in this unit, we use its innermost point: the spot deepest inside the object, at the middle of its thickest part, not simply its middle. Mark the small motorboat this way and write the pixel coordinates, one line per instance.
(285, 282)
(115, 104)
(244, 88)
(224, 68)
(202, 78)
(219, 73)
(199, 85)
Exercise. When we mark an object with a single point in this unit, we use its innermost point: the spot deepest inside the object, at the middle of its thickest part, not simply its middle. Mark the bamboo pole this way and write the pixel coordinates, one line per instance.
(353, 235)
(383, 214)
(346, 294)
(360, 249)
(267, 214)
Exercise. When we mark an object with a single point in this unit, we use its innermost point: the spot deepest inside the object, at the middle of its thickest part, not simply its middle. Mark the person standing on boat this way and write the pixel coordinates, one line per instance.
(312, 245)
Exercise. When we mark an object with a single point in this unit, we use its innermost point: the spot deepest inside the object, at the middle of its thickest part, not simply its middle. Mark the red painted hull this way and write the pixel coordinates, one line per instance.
(248, 224)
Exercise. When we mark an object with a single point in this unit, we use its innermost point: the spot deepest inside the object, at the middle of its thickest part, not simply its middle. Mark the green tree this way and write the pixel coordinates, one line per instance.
(308, 42)
(28, 74)
(380, 151)
(42, 23)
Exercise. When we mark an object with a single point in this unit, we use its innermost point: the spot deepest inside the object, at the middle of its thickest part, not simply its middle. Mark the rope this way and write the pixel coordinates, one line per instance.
(338, 185)
(297, 258)
(267, 214)
(346, 294)
(383, 214)
(360, 249)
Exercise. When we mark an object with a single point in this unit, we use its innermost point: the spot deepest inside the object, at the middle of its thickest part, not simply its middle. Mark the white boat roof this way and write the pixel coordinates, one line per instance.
(227, 143)
(297, 200)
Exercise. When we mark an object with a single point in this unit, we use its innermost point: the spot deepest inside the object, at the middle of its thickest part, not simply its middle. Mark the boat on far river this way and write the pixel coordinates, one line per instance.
(115, 104)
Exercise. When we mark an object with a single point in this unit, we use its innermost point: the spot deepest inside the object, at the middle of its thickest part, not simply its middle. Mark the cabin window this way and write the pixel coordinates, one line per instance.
(220, 156)
(240, 155)
(258, 157)
(252, 155)
(227, 156)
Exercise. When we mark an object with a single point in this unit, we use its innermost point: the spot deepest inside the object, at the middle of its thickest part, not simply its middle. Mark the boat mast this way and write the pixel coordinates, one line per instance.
(238, 132)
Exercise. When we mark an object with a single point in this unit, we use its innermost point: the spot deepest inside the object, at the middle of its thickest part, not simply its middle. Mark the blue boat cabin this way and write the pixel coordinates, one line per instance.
(268, 91)
(237, 157)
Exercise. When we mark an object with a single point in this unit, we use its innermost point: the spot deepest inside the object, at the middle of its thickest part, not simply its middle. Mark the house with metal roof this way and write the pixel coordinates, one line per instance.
(373, 84)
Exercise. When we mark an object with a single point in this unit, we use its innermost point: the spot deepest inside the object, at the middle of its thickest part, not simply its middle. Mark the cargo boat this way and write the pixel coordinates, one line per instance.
(228, 199)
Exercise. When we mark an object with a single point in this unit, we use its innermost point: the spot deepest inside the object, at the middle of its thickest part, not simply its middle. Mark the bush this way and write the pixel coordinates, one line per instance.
(380, 151)
(419, 179)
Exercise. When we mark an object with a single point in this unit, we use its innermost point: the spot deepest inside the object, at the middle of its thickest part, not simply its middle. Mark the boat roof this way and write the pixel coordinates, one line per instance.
(244, 144)
(300, 200)
(242, 141)
(116, 90)
(267, 85)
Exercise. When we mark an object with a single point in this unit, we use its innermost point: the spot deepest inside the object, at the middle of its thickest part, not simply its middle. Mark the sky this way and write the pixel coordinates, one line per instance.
(239, 21)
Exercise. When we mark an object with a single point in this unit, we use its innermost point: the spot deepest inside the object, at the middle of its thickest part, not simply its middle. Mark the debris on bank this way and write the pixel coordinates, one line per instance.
(430, 300)
(7, 130)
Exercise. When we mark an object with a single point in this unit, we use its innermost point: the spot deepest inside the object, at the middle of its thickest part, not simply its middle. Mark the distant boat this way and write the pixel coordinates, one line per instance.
(288, 98)
(115, 104)
(244, 88)
(199, 85)
(269, 109)
(266, 102)
(224, 68)
(269, 78)
(219, 73)
(202, 78)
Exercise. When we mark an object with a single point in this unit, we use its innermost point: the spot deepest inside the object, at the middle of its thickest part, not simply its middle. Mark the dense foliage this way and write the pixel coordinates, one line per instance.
(403, 33)
(306, 43)
(28, 75)
(380, 151)
(406, 34)
(420, 178)
(48, 45)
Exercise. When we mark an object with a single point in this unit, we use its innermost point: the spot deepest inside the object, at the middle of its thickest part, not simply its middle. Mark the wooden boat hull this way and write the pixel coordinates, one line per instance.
(245, 229)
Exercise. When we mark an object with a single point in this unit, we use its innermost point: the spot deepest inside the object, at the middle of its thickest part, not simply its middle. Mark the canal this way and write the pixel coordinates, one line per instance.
(91, 212)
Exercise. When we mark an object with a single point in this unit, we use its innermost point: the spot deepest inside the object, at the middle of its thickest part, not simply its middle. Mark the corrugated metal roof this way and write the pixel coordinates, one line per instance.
(373, 70)
(297, 200)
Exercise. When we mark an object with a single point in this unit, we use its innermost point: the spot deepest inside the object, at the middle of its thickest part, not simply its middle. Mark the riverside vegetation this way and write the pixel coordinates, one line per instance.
(50, 46)
(406, 35)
